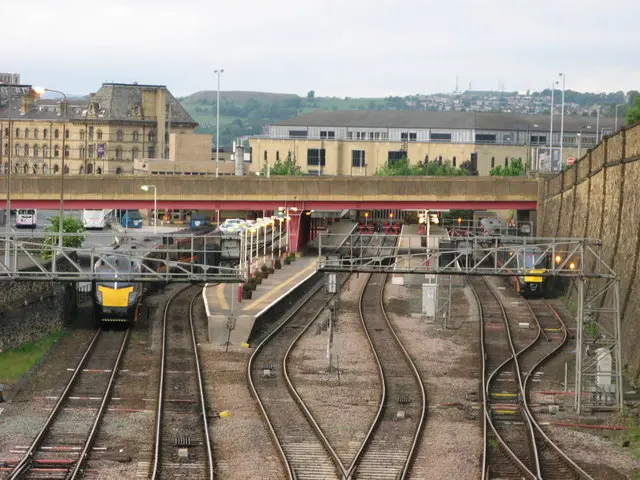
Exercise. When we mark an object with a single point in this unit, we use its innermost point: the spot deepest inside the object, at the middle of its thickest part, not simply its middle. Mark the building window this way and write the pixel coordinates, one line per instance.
(357, 158)
(412, 137)
(297, 134)
(66, 133)
(426, 158)
(99, 171)
(18, 150)
(538, 139)
(56, 134)
(135, 134)
(454, 161)
(384, 136)
(35, 151)
(349, 135)
(118, 171)
(66, 151)
(493, 162)
(316, 156)
(81, 134)
(395, 156)
(6, 132)
(99, 134)
(134, 153)
(26, 150)
(35, 169)
(56, 151)
(90, 133)
(45, 133)
(56, 168)
(81, 153)
(265, 155)
(17, 133)
(45, 151)
(81, 169)
(328, 134)
(35, 133)
(440, 137)
(151, 152)
(119, 135)
(152, 138)
(118, 153)
(25, 169)
(506, 161)
(6, 149)
(91, 150)
(26, 133)
(485, 138)
(277, 155)
(89, 168)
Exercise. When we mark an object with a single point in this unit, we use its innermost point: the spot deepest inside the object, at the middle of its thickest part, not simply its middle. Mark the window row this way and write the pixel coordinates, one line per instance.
(83, 152)
(135, 136)
(45, 169)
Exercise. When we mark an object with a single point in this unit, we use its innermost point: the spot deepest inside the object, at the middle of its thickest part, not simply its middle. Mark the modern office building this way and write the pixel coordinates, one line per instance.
(358, 142)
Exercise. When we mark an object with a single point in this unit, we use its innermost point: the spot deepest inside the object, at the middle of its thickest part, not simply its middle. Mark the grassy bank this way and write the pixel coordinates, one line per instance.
(15, 363)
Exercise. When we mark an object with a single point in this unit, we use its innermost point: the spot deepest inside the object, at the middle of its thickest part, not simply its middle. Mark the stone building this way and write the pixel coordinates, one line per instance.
(101, 134)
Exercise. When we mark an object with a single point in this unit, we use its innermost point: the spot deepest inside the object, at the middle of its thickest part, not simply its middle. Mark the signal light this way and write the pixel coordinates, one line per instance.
(558, 258)
(366, 214)
(459, 220)
(572, 266)
(391, 215)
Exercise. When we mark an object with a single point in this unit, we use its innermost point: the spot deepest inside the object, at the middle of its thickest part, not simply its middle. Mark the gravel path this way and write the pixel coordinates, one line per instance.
(346, 408)
(451, 444)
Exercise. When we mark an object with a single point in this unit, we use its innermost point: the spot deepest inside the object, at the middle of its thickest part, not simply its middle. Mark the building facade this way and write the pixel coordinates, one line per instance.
(99, 135)
(360, 142)
(10, 78)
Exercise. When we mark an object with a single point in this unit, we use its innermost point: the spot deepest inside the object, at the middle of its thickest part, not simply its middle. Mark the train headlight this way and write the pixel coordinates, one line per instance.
(132, 297)
(572, 266)
(558, 258)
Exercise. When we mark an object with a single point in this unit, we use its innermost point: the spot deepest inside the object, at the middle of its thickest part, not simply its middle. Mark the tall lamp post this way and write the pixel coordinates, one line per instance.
(528, 144)
(563, 76)
(155, 205)
(7, 252)
(218, 72)
(598, 125)
(553, 86)
(619, 105)
(580, 139)
(40, 91)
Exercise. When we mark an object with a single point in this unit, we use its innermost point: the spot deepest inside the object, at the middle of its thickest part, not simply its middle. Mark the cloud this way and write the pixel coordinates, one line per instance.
(373, 47)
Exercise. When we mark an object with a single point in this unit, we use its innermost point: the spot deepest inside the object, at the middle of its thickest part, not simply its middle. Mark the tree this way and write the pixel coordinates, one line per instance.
(403, 168)
(633, 112)
(288, 167)
(514, 169)
(69, 225)
(311, 94)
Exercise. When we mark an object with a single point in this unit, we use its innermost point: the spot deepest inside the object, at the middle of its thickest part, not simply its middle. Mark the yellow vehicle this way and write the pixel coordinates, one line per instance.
(116, 297)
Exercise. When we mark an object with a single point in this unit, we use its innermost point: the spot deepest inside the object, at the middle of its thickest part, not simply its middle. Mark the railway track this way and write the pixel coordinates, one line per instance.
(182, 444)
(62, 445)
(516, 446)
(389, 446)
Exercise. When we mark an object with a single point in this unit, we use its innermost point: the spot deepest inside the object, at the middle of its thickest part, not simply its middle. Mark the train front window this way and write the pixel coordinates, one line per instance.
(533, 261)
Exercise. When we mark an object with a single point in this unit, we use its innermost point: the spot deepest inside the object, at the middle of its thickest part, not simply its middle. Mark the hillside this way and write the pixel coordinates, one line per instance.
(247, 113)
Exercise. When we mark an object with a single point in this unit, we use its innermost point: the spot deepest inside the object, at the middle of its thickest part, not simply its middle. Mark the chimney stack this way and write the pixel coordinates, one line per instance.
(27, 101)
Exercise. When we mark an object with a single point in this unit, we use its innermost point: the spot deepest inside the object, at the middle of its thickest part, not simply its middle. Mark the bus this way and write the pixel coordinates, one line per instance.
(98, 219)
(26, 218)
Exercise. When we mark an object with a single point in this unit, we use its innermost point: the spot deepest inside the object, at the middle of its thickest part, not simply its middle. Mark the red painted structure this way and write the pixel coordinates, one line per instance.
(273, 205)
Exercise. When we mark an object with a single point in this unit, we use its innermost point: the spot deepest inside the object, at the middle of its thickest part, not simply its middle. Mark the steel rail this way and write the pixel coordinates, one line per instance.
(19, 469)
(486, 382)
(203, 405)
(160, 402)
(583, 475)
(103, 404)
(272, 431)
(383, 393)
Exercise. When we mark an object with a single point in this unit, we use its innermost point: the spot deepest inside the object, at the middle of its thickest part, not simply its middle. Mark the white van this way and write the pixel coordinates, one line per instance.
(95, 219)
(26, 218)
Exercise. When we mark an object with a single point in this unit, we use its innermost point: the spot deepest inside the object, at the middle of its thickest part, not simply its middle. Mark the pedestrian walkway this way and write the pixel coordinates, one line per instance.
(232, 319)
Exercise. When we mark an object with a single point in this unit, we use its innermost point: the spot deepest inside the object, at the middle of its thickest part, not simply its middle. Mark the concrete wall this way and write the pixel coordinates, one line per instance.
(282, 188)
(190, 147)
(29, 310)
(599, 197)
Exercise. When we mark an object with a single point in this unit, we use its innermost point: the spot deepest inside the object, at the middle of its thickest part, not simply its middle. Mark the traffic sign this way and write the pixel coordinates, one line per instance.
(570, 160)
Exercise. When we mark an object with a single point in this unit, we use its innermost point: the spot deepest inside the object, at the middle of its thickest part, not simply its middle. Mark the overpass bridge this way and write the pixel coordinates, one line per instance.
(260, 193)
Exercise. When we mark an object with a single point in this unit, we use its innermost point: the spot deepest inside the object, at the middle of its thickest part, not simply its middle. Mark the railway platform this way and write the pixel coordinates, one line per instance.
(231, 319)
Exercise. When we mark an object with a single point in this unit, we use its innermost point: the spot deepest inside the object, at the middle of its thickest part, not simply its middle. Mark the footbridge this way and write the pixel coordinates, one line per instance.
(255, 192)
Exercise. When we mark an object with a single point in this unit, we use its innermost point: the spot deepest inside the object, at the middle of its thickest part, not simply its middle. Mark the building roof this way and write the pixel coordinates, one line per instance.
(113, 101)
(446, 120)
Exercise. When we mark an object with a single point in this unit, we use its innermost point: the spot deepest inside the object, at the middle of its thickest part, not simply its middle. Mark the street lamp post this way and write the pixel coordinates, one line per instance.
(619, 105)
(563, 76)
(7, 252)
(218, 72)
(580, 139)
(528, 144)
(598, 125)
(553, 86)
(40, 91)
(155, 205)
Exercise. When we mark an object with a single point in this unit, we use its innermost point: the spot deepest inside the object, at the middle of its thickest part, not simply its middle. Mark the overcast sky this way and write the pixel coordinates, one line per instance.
(335, 47)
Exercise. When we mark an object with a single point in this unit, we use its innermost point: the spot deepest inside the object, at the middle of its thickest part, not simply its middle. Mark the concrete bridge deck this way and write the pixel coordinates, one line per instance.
(254, 192)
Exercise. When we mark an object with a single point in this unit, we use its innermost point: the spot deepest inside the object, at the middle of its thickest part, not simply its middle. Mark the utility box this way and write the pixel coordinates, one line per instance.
(429, 299)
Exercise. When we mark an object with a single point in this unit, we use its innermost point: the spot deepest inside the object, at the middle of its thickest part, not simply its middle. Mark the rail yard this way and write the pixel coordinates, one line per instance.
(351, 380)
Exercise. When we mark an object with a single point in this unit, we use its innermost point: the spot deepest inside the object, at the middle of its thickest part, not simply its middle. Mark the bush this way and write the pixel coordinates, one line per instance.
(246, 287)
(278, 264)
(287, 261)
(264, 269)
